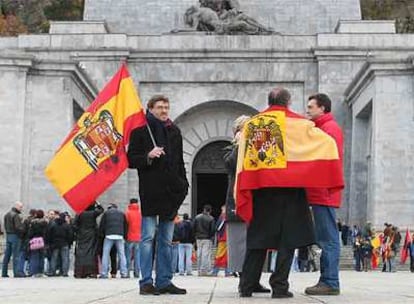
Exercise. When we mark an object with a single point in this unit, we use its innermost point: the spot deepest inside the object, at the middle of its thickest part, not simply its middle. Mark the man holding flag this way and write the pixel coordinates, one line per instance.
(156, 151)
(280, 154)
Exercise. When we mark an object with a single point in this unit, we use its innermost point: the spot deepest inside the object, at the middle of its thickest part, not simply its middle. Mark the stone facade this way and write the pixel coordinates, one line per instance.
(299, 17)
(211, 80)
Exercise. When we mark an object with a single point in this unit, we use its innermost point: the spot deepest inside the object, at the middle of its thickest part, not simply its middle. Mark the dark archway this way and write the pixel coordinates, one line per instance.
(209, 178)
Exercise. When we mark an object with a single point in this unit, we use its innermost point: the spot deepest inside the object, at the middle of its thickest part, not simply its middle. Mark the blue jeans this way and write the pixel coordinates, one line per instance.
(174, 257)
(120, 249)
(328, 240)
(184, 258)
(13, 244)
(36, 261)
(132, 247)
(63, 253)
(163, 273)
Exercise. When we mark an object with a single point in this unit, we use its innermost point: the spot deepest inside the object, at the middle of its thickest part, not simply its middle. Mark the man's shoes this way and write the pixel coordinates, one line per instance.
(281, 295)
(172, 289)
(245, 294)
(322, 289)
(261, 289)
(148, 289)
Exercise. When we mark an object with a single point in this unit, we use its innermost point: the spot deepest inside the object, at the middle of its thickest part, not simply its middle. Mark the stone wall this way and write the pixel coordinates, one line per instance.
(161, 16)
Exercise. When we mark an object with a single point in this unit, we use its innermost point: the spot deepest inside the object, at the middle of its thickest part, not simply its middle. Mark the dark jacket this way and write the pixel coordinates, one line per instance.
(163, 184)
(86, 231)
(59, 235)
(185, 232)
(230, 161)
(13, 222)
(204, 226)
(114, 222)
(37, 228)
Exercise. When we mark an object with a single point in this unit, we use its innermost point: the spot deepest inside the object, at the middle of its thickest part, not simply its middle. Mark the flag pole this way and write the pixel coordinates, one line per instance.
(123, 60)
(152, 136)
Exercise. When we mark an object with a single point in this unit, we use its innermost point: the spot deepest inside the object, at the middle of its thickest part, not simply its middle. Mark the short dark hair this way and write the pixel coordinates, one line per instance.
(154, 99)
(185, 216)
(322, 100)
(133, 201)
(207, 208)
(278, 97)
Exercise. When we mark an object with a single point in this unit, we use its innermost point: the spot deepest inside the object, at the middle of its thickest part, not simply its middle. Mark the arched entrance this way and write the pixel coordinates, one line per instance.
(209, 178)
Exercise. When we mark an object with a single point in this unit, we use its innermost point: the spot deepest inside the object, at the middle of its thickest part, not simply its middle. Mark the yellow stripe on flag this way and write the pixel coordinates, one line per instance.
(73, 167)
(308, 146)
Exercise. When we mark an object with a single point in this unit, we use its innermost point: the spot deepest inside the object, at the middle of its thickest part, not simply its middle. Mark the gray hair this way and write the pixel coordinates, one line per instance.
(239, 123)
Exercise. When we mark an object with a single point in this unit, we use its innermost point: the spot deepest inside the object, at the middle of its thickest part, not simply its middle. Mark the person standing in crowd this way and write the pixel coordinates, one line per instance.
(86, 229)
(411, 253)
(24, 249)
(366, 253)
(60, 238)
(345, 234)
(204, 229)
(133, 218)
(174, 245)
(114, 228)
(324, 203)
(163, 186)
(13, 226)
(185, 247)
(278, 215)
(236, 228)
(220, 260)
(358, 258)
(37, 234)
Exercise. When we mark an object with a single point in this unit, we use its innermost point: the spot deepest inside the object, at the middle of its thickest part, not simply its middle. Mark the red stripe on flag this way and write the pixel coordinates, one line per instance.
(110, 90)
(134, 121)
(86, 191)
(288, 112)
(306, 174)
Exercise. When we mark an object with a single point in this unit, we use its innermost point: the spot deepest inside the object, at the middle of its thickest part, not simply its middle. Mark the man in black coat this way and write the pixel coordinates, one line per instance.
(281, 220)
(162, 188)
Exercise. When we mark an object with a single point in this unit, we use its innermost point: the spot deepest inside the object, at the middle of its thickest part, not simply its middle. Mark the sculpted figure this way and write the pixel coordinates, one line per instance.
(228, 22)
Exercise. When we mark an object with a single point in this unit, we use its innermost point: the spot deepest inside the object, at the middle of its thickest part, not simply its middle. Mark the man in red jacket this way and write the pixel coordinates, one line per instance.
(133, 217)
(324, 203)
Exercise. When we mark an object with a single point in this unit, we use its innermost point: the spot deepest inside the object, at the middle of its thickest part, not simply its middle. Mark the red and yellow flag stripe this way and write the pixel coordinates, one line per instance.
(81, 169)
(279, 148)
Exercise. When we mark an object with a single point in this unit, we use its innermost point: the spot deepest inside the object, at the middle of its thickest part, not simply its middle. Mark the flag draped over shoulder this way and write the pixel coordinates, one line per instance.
(404, 249)
(279, 148)
(93, 155)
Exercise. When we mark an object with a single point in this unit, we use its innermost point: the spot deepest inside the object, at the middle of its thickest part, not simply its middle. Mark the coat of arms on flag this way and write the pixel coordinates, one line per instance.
(93, 155)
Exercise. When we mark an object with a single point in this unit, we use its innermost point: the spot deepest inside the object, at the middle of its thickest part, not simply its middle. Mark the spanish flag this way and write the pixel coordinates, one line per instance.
(279, 148)
(93, 155)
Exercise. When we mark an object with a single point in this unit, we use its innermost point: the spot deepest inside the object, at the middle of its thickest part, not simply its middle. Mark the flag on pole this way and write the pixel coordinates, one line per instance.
(93, 155)
(279, 148)
(404, 249)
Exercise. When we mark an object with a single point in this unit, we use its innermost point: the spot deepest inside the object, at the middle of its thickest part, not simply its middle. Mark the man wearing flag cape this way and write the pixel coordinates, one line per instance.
(280, 154)
(156, 151)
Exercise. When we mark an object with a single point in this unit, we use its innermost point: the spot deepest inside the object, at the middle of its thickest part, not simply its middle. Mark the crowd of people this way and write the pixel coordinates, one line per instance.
(261, 212)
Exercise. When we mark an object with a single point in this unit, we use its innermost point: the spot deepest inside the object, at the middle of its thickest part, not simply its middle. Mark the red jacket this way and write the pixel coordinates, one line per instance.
(317, 196)
(133, 217)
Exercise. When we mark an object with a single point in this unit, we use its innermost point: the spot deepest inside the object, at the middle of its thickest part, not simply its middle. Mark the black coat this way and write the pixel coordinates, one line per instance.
(86, 230)
(281, 219)
(163, 185)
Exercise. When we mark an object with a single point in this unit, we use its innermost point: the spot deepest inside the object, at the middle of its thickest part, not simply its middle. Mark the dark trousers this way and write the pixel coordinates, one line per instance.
(412, 263)
(253, 265)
